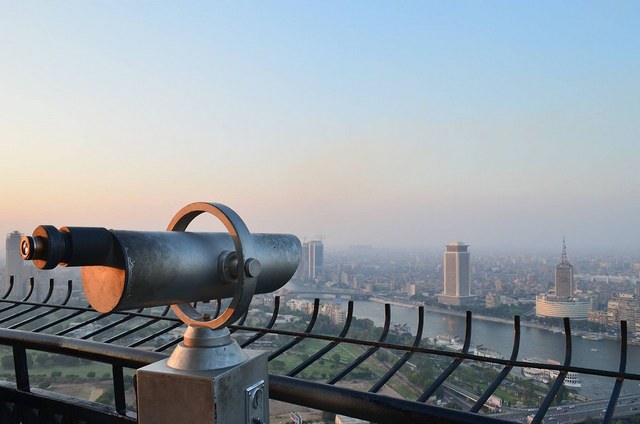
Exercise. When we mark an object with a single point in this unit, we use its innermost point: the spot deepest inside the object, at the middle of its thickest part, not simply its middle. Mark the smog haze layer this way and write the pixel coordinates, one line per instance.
(501, 124)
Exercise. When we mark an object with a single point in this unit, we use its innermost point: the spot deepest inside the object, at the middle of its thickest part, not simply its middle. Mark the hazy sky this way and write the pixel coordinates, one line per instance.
(402, 123)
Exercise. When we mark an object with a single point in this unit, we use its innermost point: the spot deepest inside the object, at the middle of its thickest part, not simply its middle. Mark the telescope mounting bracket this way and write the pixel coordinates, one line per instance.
(247, 269)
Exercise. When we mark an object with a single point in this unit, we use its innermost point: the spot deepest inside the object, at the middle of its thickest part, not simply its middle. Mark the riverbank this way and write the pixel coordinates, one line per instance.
(446, 311)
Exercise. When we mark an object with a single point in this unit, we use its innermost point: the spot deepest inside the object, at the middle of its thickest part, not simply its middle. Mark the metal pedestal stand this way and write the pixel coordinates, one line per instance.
(208, 379)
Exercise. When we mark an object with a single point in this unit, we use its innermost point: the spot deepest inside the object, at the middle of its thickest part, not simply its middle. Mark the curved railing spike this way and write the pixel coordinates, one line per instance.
(272, 321)
(383, 336)
(326, 349)
(617, 387)
(557, 384)
(9, 288)
(505, 371)
(295, 341)
(454, 364)
(396, 367)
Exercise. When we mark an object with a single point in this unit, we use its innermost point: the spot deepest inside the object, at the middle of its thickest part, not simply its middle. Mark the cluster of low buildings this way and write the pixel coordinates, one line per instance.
(332, 310)
(622, 307)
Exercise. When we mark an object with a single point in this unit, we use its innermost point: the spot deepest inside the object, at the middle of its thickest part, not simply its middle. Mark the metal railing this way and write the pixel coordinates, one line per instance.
(22, 403)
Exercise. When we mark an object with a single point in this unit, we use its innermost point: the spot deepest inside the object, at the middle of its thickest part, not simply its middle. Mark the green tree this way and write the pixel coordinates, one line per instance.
(383, 356)
(43, 359)
(7, 362)
(336, 358)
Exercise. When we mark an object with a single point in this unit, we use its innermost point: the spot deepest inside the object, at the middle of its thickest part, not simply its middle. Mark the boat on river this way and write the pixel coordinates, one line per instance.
(481, 350)
(593, 336)
(571, 379)
(449, 342)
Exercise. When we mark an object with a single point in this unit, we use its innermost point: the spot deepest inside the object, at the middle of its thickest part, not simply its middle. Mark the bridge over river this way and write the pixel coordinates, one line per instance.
(306, 293)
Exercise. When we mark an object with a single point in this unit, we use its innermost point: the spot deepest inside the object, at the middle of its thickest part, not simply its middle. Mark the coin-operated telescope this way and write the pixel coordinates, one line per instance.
(208, 378)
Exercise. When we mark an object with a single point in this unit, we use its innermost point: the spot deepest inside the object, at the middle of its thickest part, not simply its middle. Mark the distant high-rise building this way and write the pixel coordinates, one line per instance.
(491, 301)
(456, 270)
(313, 259)
(564, 303)
(565, 286)
(457, 278)
(623, 307)
(15, 264)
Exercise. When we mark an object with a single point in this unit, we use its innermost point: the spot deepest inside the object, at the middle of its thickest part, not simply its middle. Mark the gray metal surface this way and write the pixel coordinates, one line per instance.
(206, 349)
(169, 396)
(159, 268)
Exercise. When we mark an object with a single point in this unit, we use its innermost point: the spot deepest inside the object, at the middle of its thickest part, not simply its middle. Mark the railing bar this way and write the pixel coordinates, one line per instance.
(67, 307)
(118, 389)
(58, 321)
(272, 321)
(396, 367)
(94, 351)
(326, 349)
(617, 387)
(33, 318)
(470, 356)
(621, 375)
(17, 415)
(452, 367)
(168, 345)
(108, 326)
(21, 367)
(310, 325)
(82, 324)
(143, 315)
(8, 292)
(367, 406)
(243, 318)
(49, 292)
(52, 310)
(557, 384)
(18, 314)
(31, 309)
(89, 309)
(218, 306)
(383, 336)
(137, 328)
(19, 302)
(69, 292)
(156, 334)
(505, 371)
(81, 412)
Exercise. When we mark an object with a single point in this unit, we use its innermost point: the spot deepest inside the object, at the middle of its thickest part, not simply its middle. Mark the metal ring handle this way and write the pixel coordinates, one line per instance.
(243, 242)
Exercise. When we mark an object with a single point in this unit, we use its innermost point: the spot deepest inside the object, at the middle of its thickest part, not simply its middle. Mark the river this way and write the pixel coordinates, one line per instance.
(498, 336)
(535, 342)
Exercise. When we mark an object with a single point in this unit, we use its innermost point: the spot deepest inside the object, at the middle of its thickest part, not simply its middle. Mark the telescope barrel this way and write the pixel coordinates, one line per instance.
(134, 269)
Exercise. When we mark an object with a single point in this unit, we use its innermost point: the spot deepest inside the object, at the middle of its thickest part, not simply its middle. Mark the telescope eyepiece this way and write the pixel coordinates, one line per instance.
(27, 248)
(47, 247)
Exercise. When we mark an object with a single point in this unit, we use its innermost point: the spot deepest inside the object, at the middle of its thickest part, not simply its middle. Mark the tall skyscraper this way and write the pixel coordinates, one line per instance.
(457, 278)
(313, 259)
(565, 286)
(564, 302)
(15, 264)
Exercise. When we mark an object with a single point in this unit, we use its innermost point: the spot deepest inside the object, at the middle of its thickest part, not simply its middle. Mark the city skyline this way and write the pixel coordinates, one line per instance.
(505, 125)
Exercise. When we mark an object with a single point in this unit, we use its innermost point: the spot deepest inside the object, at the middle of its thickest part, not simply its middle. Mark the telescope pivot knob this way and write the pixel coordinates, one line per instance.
(252, 267)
